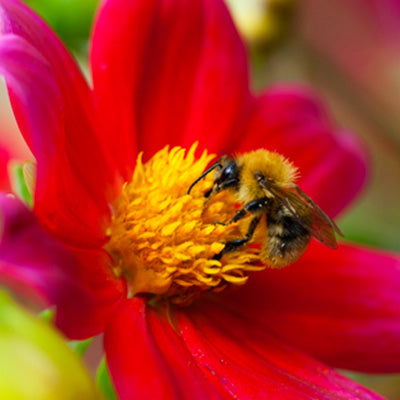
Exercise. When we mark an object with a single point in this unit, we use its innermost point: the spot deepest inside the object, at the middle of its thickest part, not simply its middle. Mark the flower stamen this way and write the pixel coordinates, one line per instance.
(163, 240)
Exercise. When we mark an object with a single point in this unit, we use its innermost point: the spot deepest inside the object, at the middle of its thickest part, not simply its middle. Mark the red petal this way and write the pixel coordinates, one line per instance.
(250, 363)
(206, 353)
(80, 319)
(337, 179)
(54, 109)
(78, 284)
(167, 72)
(341, 306)
(148, 360)
(4, 159)
(292, 121)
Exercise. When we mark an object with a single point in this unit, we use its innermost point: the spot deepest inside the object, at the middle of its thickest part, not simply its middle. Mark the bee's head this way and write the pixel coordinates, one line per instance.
(226, 175)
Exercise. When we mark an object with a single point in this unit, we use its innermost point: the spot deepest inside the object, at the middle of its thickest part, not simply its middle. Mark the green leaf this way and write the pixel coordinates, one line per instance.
(71, 19)
(80, 346)
(48, 315)
(104, 382)
(19, 185)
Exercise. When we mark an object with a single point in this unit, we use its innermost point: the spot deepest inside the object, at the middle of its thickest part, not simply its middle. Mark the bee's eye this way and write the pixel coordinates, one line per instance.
(229, 172)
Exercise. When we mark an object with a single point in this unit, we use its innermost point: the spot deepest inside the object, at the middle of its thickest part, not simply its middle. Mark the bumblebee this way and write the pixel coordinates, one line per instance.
(263, 182)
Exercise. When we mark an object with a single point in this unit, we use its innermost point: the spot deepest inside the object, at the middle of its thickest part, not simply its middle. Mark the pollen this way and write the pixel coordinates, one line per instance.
(163, 240)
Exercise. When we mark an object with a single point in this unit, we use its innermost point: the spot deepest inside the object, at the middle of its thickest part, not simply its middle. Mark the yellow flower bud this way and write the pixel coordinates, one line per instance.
(263, 23)
(35, 362)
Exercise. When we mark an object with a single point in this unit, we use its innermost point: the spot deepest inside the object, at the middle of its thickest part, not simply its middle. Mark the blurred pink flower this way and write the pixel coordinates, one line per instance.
(362, 39)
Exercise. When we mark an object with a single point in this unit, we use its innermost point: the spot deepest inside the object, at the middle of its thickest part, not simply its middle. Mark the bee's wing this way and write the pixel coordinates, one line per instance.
(323, 228)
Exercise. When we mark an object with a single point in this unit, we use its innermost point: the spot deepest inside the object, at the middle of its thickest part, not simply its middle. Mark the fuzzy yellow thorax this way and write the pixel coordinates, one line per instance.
(162, 240)
(271, 165)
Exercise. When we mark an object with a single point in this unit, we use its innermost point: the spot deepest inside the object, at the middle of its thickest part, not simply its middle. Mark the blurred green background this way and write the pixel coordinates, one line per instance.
(349, 51)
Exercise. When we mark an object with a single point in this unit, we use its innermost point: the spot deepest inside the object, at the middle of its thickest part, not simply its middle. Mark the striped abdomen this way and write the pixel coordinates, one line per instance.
(286, 237)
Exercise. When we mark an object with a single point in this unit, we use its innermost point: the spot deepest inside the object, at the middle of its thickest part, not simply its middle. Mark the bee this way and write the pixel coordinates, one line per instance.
(264, 183)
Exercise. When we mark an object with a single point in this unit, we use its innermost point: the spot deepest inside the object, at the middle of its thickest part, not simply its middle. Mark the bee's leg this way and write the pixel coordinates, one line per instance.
(252, 208)
(234, 244)
(220, 187)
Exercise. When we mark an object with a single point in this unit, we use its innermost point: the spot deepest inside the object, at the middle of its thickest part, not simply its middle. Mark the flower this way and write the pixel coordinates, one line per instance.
(357, 30)
(172, 73)
(35, 362)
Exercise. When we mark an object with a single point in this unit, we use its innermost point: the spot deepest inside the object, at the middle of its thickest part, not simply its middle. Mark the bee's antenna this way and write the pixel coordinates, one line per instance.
(216, 165)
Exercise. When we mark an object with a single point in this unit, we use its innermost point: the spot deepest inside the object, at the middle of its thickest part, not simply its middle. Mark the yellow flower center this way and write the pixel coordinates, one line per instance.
(163, 240)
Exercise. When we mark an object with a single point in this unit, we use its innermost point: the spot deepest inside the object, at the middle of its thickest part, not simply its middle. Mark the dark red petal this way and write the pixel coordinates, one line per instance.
(148, 360)
(82, 319)
(341, 306)
(53, 106)
(167, 72)
(250, 363)
(78, 284)
(292, 121)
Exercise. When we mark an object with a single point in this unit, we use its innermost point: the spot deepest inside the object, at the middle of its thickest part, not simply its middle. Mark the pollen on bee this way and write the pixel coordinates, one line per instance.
(163, 240)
